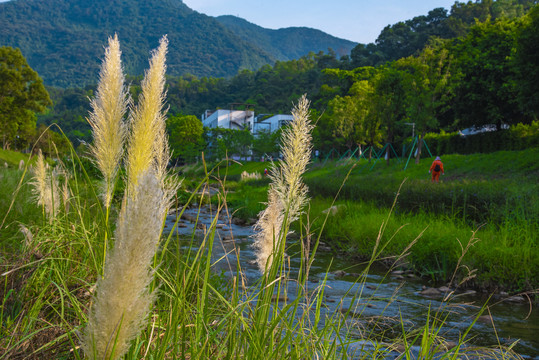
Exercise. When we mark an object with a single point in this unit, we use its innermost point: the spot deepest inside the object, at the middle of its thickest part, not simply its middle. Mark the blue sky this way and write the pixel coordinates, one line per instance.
(356, 20)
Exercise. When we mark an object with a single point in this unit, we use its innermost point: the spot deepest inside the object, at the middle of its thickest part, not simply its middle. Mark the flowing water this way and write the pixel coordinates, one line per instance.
(387, 296)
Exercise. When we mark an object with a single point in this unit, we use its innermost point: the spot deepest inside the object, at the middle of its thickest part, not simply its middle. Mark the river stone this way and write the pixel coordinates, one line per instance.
(189, 217)
(470, 292)
(515, 298)
(350, 313)
(182, 225)
(444, 289)
(201, 226)
(339, 273)
(323, 248)
(397, 272)
(280, 298)
(238, 221)
(485, 319)
(430, 292)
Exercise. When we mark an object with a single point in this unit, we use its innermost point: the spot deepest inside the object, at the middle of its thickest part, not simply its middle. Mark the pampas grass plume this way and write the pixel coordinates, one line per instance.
(45, 187)
(287, 193)
(106, 119)
(148, 144)
(268, 229)
(120, 308)
(296, 147)
(122, 303)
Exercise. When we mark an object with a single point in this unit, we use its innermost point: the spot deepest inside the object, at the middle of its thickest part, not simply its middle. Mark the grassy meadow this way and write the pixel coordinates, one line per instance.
(490, 200)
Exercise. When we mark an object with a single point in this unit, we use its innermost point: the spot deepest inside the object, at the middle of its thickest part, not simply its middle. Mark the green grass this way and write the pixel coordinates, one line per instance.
(47, 284)
(12, 158)
(476, 188)
(505, 257)
(495, 194)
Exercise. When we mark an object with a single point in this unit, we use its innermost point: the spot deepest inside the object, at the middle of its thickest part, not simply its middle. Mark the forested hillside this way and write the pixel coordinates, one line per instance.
(286, 43)
(63, 39)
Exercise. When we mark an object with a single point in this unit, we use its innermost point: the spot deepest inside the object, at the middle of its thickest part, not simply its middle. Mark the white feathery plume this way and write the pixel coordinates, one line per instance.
(45, 185)
(287, 193)
(107, 118)
(148, 143)
(267, 231)
(122, 303)
(296, 147)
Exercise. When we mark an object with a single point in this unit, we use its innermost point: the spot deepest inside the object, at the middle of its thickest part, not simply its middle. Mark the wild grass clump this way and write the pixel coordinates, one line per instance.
(505, 257)
(245, 176)
(124, 297)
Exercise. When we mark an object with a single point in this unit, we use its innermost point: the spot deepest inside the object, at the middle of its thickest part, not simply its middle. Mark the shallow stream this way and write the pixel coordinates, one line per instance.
(392, 295)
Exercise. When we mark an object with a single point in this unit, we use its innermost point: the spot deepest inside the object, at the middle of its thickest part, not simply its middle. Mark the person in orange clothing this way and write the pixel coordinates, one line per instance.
(436, 168)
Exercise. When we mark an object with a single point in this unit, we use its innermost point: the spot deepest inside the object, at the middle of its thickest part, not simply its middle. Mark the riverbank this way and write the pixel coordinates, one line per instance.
(479, 224)
(367, 292)
(50, 268)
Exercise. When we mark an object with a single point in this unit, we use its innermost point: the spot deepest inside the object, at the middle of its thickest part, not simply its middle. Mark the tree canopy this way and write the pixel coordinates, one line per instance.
(22, 94)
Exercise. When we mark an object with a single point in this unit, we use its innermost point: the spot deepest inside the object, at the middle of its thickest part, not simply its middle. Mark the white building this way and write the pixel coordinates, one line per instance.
(244, 119)
(270, 123)
(229, 119)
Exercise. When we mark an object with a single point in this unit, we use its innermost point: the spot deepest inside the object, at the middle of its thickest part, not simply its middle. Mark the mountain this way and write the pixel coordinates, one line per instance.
(63, 40)
(287, 43)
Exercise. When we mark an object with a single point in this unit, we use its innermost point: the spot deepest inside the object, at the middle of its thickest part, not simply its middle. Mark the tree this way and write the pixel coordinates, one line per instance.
(354, 118)
(389, 101)
(185, 137)
(486, 92)
(426, 85)
(371, 134)
(22, 94)
(527, 63)
(346, 119)
(266, 143)
(223, 142)
(402, 39)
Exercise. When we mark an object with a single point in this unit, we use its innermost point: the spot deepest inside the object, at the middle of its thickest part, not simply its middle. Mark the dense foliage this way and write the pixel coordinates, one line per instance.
(408, 37)
(22, 94)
